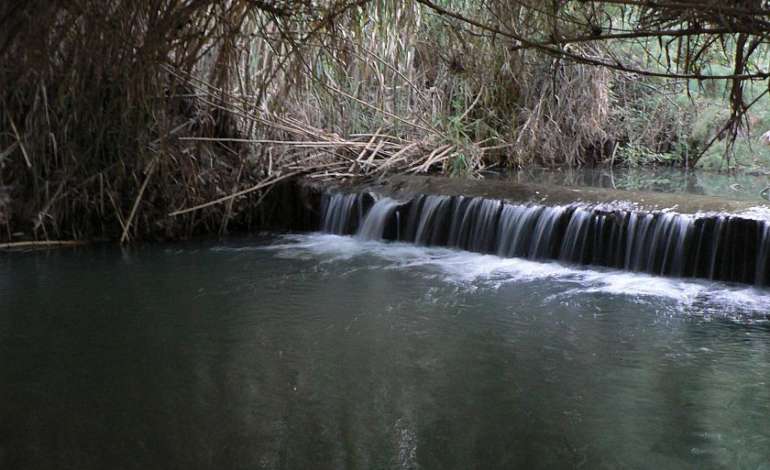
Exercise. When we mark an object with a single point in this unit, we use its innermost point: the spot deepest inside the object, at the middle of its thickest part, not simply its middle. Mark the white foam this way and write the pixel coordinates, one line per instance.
(456, 266)
(640, 285)
(761, 213)
(489, 271)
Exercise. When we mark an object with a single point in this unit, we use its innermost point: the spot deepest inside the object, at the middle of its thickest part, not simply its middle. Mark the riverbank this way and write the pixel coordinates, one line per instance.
(294, 204)
(106, 128)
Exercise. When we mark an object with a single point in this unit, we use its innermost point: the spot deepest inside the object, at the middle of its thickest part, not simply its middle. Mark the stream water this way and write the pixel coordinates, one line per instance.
(329, 352)
(740, 186)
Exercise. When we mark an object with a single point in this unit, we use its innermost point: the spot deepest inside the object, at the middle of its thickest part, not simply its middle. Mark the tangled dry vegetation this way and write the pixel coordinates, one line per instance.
(134, 120)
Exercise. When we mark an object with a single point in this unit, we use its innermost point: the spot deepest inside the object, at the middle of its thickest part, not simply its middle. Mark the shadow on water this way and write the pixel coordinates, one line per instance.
(320, 352)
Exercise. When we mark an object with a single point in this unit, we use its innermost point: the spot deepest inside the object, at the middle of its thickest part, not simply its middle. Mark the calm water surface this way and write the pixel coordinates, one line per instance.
(741, 186)
(323, 352)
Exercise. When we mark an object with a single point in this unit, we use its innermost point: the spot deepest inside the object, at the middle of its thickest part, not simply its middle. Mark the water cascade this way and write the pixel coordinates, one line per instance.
(379, 219)
(342, 213)
(719, 247)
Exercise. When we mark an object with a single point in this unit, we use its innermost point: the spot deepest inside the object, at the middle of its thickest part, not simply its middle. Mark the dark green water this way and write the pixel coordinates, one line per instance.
(323, 352)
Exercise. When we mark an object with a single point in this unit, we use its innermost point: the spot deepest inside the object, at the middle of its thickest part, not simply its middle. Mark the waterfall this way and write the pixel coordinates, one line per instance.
(432, 208)
(721, 247)
(337, 213)
(542, 244)
(476, 225)
(763, 255)
(673, 261)
(516, 226)
(573, 247)
(376, 222)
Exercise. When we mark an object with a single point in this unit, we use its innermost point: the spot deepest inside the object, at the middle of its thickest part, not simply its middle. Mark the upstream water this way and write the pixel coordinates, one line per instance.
(329, 352)
(740, 186)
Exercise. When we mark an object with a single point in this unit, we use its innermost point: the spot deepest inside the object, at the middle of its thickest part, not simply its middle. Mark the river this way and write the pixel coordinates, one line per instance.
(330, 352)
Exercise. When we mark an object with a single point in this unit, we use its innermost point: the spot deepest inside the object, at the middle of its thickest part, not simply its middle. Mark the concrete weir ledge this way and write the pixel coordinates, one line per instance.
(680, 235)
(551, 195)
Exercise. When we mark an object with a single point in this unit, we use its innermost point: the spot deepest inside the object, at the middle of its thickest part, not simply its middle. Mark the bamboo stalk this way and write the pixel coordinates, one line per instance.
(41, 243)
(21, 143)
(259, 186)
(127, 226)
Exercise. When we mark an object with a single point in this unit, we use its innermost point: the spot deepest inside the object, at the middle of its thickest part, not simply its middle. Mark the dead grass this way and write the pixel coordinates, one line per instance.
(125, 120)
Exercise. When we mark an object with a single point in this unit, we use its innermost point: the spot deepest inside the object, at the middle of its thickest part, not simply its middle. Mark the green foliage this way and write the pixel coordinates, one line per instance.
(460, 166)
(635, 155)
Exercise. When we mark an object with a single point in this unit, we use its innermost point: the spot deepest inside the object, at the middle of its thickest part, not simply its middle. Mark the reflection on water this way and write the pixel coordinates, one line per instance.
(318, 351)
(740, 186)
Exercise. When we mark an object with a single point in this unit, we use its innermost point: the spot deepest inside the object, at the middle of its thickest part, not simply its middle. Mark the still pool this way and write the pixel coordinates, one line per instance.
(326, 352)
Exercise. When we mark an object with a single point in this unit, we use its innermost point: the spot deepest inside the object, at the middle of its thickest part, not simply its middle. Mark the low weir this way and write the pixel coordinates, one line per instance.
(719, 247)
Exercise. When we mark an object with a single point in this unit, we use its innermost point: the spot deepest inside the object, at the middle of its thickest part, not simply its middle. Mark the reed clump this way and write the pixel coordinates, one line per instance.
(90, 113)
